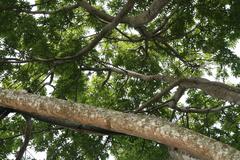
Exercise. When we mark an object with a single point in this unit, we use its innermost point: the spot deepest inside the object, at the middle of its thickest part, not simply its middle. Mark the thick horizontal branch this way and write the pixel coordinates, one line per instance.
(212, 88)
(152, 128)
(74, 126)
(65, 123)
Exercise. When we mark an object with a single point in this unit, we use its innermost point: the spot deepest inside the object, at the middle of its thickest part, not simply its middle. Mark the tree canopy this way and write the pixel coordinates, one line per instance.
(143, 57)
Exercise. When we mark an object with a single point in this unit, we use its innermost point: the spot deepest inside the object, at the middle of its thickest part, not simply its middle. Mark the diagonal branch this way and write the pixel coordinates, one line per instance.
(170, 50)
(27, 136)
(148, 15)
(151, 128)
(174, 100)
(107, 29)
(134, 21)
(4, 112)
(143, 18)
(158, 96)
(176, 97)
(214, 89)
(85, 50)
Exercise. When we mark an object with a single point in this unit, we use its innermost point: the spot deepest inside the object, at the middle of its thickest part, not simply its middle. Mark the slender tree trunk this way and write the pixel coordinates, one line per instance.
(148, 127)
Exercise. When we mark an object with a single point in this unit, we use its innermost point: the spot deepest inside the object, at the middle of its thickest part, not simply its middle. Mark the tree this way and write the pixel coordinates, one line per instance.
(146, 60)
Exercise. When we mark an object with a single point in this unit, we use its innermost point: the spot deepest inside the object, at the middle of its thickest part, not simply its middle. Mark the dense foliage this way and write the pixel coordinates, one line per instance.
(41, 49)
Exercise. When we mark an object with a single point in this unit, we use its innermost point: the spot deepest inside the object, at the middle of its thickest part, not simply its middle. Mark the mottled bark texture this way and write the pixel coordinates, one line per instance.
(147, 127)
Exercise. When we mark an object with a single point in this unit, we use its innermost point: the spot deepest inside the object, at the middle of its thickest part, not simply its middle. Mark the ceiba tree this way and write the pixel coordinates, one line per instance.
(86, 79)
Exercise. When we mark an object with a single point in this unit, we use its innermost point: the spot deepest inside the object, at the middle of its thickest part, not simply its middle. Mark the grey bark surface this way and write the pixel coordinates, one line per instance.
(135, 21)
(148, 127)
(212, 88)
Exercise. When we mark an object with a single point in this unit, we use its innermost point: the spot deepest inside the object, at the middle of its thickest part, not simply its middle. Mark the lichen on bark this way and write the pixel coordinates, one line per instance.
(152, 128)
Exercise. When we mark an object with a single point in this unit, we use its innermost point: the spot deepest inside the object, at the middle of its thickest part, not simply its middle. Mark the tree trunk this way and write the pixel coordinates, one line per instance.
(148, 127)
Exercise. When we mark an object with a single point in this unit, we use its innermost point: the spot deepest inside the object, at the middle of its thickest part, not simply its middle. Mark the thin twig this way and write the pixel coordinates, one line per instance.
(158, 96)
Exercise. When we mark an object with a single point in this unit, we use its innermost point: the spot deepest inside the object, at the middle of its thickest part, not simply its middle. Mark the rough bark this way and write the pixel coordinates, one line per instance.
(148, 127)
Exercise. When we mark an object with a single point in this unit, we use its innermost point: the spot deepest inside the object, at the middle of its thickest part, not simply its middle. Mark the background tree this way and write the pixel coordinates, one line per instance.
(145, 57)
